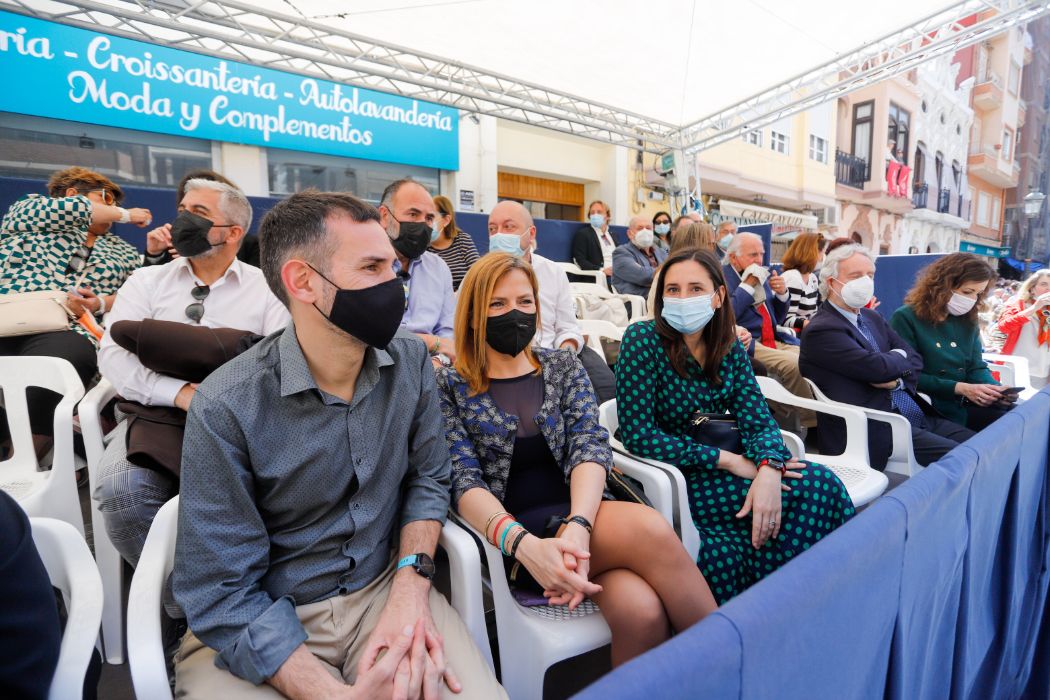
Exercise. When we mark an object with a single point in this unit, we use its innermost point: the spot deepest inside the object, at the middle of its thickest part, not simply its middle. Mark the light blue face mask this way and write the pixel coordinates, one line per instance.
(689, 315)
(435, 233)
(597, 220)
(506, 243)
(662, 229)
(725, 241)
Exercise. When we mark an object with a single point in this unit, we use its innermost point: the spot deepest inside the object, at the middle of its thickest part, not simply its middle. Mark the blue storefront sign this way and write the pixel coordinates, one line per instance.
(985, 250)
(63, 72)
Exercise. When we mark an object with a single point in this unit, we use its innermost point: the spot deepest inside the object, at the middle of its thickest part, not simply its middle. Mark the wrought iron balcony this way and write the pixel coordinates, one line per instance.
(944, 200)
(919, 196)
(851, 170)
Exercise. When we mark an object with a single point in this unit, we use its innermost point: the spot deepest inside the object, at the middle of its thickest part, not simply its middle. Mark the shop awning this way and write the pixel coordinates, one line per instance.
(754, 212)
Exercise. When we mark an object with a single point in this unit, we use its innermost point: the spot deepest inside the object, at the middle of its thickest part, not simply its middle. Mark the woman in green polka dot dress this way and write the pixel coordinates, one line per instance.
(688, 360)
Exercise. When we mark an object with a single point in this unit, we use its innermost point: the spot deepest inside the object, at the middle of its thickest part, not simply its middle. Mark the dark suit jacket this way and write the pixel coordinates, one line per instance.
(179, 350)
(744, 308)
(632, 271)
(839, 360)
(586, 250)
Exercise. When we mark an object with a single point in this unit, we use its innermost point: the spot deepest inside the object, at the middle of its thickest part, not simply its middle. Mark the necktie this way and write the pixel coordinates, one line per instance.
(768, 337)
(903, 403)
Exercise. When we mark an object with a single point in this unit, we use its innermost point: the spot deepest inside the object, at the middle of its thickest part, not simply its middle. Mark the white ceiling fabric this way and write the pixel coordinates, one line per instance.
(671, 60)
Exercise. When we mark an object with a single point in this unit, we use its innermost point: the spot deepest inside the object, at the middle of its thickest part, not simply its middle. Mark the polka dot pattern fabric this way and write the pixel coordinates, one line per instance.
(654, 405)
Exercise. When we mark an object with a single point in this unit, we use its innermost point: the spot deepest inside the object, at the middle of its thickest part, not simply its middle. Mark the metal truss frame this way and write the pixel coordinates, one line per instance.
(237, 31)
(895, 53)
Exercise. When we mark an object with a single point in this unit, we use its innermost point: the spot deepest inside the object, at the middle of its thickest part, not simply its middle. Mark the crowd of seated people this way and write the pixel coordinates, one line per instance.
(374, 374)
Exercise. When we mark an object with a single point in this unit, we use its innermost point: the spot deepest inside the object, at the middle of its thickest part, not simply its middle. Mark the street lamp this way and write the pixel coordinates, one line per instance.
(1033, 204)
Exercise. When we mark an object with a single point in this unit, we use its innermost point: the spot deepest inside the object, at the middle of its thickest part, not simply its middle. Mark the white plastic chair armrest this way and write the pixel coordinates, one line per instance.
(464, 564)
(794, 443)
(637, 305)
(656, 483)
(900, 429)
(856, 449)
(145, 646)
(90, 410)
(72, 570)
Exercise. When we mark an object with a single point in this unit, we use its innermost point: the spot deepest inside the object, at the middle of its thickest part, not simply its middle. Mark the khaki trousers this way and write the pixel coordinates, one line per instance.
(338, 630)
(784, 363)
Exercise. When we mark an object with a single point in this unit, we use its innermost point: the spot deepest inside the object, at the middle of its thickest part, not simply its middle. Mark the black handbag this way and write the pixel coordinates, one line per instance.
(716, 430)
(625, 488)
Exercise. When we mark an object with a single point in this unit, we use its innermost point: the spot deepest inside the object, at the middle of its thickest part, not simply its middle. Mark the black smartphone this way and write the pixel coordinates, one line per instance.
(1012, 390)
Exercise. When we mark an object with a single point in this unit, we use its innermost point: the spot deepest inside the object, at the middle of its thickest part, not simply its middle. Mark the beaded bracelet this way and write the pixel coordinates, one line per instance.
(517, 541)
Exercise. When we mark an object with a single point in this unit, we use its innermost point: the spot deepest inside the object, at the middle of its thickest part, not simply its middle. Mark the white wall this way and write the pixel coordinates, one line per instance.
(245, 165)
(477, 164)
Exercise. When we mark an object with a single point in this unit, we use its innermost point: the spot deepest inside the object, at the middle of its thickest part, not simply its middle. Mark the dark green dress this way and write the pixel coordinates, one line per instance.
(654, 406)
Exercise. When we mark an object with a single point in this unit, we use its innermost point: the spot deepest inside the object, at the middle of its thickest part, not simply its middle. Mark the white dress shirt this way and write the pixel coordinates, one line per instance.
(608, 245)
(557, 310)
(239, 299)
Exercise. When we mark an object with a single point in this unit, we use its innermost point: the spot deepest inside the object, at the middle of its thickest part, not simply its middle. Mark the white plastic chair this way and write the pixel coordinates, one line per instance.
(671, 496)
(51, 493)
(599, 277)
(145, 644)
(635, 303)
(902, 455)
(72, 571)
(149, 674)
(110, 564)
(1013, 371)
(595, 329)
(852, 467)
(532, 639)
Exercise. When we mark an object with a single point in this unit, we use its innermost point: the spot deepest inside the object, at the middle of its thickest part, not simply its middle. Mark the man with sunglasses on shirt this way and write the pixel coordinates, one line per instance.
(206, 286)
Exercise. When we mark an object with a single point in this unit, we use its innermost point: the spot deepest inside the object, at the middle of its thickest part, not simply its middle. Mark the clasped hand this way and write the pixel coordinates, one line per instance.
(561, 565)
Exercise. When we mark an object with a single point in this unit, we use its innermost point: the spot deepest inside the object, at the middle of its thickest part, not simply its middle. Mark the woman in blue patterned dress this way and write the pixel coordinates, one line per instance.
(522, 428)
(686, 360)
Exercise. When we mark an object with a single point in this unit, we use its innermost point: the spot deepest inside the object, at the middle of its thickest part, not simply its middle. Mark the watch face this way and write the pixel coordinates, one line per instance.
(425, 565)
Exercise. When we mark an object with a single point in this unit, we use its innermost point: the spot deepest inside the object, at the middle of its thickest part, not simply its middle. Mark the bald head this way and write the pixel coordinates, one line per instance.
(512, 218)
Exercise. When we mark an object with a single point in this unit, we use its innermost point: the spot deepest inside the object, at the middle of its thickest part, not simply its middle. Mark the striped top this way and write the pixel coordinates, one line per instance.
(459, 256)
(804, 298)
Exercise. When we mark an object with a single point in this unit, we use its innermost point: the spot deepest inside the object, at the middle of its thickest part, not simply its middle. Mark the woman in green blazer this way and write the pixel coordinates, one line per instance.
(939, 320)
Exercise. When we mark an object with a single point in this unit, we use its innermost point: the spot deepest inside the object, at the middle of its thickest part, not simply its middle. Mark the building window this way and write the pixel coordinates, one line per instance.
(863, 119)
(35, 147)
(778, 142)
(1008, 145)
(984, 205)
(754, 138)
(818, 149)
(996, 204)
(294, 171)
(899, 130)
(1014, 84)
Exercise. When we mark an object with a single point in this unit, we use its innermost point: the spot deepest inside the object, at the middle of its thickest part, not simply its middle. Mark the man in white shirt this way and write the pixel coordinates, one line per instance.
(206, 286)
(511, 230)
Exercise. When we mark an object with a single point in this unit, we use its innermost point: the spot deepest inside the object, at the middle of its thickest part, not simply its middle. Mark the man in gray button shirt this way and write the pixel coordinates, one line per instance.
(315, 480)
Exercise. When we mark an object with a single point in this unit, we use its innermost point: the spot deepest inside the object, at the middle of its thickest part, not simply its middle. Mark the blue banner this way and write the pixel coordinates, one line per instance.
(985, 250)
(67, 73)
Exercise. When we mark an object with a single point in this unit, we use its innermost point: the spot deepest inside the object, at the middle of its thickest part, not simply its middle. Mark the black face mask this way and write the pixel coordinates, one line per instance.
(510, 333)
(412, 239)
(189, 234)
(372, 315)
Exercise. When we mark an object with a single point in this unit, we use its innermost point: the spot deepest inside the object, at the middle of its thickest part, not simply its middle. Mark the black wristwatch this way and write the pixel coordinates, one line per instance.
(421, 562)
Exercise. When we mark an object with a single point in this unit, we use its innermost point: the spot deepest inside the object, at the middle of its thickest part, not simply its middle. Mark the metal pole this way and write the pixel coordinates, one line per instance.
(1028, 246)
